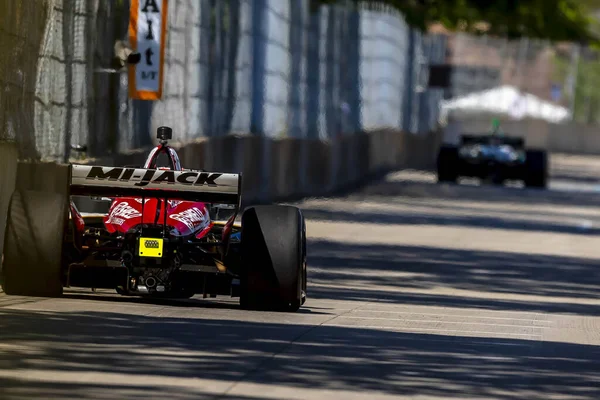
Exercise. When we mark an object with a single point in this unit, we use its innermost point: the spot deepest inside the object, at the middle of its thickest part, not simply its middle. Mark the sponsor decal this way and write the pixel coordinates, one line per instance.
(191, 217)
(147, 35)
(121, 212)
(144, 177)
(77, 218)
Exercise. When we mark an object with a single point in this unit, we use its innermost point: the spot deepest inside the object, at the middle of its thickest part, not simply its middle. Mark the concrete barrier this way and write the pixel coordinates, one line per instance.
(421, 151)
(361, 158)
(285, 168)
(342, 176)
(8, 174)
(222, 154)
(253, 162)
(377, 152)
(392, 148)
(281, 169)
(318, 168)
(192, 155)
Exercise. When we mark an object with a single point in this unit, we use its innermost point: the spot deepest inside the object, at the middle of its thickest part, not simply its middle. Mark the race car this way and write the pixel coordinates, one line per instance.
(496, 158)
(168, 232)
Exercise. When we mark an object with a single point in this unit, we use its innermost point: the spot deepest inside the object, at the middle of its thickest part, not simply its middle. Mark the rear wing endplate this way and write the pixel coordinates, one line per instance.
(209, 187)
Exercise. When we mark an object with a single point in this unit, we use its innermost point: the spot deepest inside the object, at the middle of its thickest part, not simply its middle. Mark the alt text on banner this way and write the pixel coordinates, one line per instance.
(147, 35)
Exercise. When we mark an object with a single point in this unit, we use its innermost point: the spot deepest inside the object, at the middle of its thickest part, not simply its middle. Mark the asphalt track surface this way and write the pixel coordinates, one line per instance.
(417, 291)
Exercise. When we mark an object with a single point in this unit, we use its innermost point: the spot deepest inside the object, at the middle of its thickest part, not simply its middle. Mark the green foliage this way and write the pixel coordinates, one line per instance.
(556, 20)
(586, 98)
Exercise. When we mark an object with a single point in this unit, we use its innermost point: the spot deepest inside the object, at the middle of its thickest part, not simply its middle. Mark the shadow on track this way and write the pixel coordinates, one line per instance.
(574, 177)
(195, 302)
(346, 266)
(141, 350)
(484, 193)
(479, 221)
(116, 298)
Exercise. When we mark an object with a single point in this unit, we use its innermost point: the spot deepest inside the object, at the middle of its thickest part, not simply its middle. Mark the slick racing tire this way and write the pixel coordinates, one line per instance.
(447, 164)
(273, 250)
(536, 169)
(33, 244)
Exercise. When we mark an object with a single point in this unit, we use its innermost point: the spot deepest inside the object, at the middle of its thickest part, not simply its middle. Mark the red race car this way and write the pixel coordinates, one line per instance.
(164, 235)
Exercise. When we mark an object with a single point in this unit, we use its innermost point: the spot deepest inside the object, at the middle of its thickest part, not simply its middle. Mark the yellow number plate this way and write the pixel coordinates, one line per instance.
(151, 247)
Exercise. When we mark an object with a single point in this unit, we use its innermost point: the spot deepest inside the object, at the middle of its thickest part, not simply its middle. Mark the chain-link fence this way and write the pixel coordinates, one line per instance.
(22, 25)
(281, 69)
(52, 98)
(277, 68)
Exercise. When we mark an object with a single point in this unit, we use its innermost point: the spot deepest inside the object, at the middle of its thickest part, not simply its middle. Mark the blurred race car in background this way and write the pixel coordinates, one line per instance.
(496, 158)
(169, 232)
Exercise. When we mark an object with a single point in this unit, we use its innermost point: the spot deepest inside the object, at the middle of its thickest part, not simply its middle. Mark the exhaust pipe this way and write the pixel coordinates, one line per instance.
(126, 257)
(150, 282)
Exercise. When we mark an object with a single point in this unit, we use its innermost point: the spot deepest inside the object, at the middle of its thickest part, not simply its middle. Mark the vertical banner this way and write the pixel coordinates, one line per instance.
(147, 34)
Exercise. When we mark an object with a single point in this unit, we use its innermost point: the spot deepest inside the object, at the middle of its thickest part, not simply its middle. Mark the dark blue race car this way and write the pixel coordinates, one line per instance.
(496, 158)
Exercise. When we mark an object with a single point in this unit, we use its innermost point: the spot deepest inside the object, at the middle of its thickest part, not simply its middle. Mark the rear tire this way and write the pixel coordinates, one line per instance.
(33, 244)
(273, 247)
(536, 169)
(447, 164)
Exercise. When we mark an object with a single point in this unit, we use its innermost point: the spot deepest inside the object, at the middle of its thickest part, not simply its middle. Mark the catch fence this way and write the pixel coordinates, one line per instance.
(260, 67)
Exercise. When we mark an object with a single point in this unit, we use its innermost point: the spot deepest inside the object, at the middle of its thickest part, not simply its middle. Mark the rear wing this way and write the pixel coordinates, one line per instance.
(209, 187)
(486, 139)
